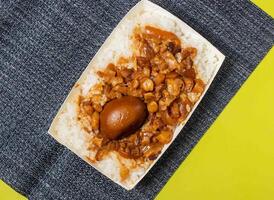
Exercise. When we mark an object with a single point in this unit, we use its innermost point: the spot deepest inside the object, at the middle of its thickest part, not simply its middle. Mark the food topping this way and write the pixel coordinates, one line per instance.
(122, 116)
(141, 99)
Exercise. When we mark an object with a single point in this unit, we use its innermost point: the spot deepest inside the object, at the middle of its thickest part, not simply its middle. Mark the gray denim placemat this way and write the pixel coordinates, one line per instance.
(44, 47)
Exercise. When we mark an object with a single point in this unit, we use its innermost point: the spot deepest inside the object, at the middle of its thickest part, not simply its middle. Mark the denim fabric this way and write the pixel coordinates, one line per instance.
(44, 47)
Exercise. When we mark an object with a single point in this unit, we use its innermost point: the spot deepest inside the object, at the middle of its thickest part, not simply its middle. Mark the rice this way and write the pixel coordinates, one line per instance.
(68, 132)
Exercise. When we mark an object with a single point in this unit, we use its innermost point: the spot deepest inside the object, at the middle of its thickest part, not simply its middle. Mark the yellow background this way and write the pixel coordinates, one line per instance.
(235, 158)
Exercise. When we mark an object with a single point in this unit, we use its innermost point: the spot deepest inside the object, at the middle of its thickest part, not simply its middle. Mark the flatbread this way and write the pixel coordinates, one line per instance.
(65, 128)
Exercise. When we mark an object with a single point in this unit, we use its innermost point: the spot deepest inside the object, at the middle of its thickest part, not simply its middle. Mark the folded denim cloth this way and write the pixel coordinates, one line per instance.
(44, 47)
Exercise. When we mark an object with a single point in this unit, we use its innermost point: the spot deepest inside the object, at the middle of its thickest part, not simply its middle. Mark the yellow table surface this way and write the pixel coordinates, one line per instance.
(235, 158)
